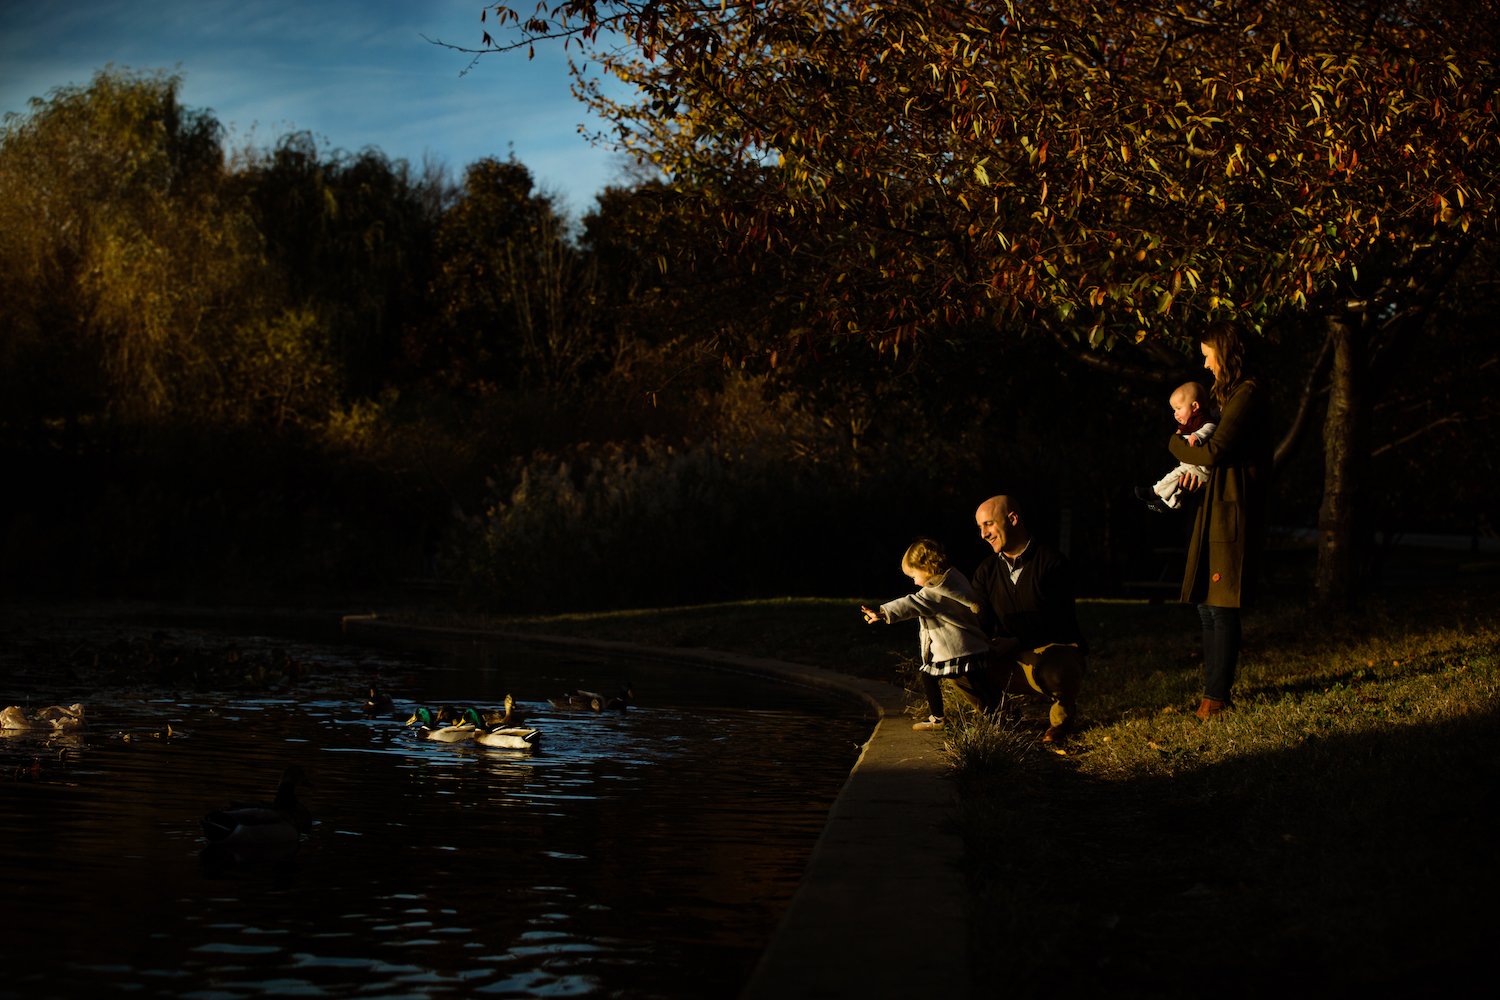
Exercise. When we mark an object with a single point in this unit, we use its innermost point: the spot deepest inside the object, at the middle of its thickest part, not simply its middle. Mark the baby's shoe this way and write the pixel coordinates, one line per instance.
(933, 722)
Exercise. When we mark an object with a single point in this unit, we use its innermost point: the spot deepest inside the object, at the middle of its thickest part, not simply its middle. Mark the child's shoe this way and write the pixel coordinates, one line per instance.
(933, 722)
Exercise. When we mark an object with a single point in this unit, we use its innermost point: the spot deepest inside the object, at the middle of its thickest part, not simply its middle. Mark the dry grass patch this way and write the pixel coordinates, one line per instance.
(1324, 837)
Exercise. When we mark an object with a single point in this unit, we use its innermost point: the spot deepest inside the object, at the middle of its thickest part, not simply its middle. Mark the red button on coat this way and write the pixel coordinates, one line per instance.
(1216, 578)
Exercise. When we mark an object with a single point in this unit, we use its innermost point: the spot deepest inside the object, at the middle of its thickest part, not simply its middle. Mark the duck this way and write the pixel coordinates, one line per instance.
(593, 701)
(508, 737)
(54, 718)
(280, 821)
(513, 715)
(620, 701)
(442, 725)
(576, 700)
(378, 702)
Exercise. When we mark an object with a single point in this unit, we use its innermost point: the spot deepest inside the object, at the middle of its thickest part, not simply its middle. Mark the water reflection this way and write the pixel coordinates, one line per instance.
(643, 853)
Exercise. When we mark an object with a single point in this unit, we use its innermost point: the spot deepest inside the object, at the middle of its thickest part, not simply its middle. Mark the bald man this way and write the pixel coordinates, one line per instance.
(1026, 592)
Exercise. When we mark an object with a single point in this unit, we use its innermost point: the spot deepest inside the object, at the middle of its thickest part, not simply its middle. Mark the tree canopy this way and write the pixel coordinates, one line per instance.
(1102, 170)
(119, 255)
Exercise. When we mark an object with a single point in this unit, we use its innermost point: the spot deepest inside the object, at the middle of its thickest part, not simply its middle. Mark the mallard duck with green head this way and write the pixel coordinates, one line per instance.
(443, 725)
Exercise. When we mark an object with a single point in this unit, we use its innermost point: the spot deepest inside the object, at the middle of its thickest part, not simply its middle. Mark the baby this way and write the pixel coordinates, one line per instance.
(1190, 408)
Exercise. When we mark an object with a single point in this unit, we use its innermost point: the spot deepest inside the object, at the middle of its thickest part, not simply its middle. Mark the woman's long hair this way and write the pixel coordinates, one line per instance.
(1229, 347)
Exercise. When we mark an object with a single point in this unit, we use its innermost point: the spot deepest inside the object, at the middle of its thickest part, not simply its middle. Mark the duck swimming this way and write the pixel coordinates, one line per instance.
(508, 737)
(280, 821)
(54, 718)
(378, 702)
(442, 726)
(593, 701)
(511, 715)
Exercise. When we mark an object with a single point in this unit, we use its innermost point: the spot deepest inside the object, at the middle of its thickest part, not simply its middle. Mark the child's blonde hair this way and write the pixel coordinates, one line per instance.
(926, 555)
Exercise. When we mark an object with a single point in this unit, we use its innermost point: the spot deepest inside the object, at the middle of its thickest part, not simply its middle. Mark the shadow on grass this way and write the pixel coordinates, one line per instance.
(1337, 867)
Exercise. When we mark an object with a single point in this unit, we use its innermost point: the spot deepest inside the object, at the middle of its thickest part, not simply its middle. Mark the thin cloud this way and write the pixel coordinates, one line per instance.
(353, 74)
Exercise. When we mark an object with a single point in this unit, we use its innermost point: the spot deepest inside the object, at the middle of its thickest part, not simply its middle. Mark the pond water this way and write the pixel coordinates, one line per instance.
(643, 853)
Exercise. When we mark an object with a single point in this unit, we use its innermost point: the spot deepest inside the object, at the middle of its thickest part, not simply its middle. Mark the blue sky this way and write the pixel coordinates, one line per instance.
(354, 73)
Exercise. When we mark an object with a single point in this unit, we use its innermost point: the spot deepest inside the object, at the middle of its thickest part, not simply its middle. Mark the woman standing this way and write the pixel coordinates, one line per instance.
(1223, 556)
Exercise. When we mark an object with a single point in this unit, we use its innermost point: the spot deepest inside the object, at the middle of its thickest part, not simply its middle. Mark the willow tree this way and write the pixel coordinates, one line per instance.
(88, 183)
(134, 272)
(1113, 175)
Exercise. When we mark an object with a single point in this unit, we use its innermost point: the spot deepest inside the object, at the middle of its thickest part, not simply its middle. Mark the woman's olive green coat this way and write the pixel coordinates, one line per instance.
(1224, 554)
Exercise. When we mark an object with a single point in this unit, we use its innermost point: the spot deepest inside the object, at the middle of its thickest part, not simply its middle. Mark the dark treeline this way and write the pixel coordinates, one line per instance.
(297, 374)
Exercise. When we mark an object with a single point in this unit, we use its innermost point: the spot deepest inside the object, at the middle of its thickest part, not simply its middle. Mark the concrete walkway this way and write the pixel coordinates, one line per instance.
(880, 909)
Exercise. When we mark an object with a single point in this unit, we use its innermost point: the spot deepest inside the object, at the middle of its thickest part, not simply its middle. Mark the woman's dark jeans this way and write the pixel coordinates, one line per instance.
(1221, 649)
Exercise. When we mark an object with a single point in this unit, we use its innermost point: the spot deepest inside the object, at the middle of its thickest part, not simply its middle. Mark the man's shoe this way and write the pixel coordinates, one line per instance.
(1151, 500)
(1209, 707)
(1055, 734)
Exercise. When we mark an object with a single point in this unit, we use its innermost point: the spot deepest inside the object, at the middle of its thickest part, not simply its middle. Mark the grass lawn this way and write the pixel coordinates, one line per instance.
(1333, 835)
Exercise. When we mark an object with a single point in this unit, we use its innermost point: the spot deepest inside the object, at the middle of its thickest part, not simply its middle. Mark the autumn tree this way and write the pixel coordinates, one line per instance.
(515, 300)
(107, 279)
(352, 237)
(136, 292)
(1110, 175)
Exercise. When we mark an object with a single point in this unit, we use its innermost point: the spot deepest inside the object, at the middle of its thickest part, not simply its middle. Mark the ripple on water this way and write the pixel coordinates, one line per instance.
(647, 853)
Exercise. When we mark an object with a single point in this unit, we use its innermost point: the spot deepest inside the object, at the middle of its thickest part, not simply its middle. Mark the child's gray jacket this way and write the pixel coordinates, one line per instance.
(948, 614)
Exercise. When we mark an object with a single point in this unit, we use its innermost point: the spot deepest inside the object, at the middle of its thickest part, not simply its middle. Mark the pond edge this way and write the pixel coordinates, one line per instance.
(881, 906)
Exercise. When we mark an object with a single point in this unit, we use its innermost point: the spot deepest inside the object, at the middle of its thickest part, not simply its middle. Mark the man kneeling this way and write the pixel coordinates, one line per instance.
(1026, 594)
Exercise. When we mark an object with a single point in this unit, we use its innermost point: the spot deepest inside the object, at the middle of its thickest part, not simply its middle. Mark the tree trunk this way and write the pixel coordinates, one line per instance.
(1343, 464)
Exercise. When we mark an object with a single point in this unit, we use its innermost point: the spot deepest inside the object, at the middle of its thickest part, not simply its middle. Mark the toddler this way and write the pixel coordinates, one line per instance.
(947, 613)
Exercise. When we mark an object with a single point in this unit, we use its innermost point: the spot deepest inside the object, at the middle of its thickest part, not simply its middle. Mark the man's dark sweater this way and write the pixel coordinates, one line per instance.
(1035, 610)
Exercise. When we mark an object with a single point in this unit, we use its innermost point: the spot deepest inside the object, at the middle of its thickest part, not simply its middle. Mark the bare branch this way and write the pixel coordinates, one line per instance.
(1408, 438)
(1310, 393)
